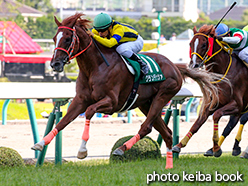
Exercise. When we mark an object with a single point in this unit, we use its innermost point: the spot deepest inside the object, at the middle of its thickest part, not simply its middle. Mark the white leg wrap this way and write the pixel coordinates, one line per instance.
(168, 150)
(42, 142)
(83, 146)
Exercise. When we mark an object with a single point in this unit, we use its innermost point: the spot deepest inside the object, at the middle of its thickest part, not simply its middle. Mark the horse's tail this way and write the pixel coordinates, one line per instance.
(204, 79)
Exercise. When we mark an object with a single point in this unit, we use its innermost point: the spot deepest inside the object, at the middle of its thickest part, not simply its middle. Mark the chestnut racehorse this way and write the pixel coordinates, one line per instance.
(206, 50)
(104, 84)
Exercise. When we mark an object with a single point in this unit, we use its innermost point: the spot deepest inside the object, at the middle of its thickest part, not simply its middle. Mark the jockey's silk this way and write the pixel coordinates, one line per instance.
(243, 43)
(120, 33)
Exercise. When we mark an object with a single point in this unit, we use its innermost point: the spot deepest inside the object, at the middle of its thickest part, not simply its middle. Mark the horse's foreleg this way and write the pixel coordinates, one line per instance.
(228, 109)
(73, 111)
(196, 126)
(103, 105)
(82, 152)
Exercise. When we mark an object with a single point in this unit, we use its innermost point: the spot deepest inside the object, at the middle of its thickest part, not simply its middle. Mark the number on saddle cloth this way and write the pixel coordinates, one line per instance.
(154, 75)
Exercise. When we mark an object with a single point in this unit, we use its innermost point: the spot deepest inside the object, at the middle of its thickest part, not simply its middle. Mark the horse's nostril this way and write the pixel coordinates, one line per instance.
(56, 64)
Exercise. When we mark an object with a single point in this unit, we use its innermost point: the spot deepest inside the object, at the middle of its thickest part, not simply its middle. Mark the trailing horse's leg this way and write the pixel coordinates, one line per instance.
(228, 109)
(245, 154)
(236, 148)
(196, 126)
(73, 111)
(231, 124)
(166, 134)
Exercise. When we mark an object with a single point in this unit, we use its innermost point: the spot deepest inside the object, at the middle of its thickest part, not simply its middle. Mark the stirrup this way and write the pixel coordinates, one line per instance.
(144, 69)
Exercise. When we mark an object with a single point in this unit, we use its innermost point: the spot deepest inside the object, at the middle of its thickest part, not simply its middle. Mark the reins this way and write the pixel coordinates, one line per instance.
(206, 58)
(101, 53)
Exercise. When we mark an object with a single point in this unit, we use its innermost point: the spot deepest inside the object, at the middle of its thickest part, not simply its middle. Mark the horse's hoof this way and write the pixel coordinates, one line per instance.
(218, 153)
(209, 153)
(244, 155)
(118, 152)
(82, 154)
(37, 146)
(176, 149)
(236, 151)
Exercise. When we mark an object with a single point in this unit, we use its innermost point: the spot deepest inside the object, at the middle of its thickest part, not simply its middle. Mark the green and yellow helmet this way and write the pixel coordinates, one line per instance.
(102, 21)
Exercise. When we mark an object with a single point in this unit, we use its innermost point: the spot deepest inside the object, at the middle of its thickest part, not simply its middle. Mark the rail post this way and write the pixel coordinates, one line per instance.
(33, 122)
(175, 128)
(49, 127)
(56, 115)
(4, 111)
(58, 142)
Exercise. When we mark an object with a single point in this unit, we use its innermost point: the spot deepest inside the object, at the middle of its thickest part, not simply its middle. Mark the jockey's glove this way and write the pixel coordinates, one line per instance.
(220, 38)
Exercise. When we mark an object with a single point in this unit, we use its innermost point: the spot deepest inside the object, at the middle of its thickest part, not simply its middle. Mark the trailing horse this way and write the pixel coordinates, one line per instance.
(206, 50)
(104, 85)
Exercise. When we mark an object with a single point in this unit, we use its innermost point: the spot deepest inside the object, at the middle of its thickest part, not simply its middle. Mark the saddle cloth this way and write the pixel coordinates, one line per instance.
(154, 75)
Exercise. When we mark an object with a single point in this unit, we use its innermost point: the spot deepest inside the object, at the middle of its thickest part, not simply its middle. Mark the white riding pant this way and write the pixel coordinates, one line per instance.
(127, 49)
(243, 54)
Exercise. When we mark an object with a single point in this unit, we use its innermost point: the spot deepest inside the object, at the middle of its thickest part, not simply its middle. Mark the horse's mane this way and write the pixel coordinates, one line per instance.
(207, 29)
(76, 20)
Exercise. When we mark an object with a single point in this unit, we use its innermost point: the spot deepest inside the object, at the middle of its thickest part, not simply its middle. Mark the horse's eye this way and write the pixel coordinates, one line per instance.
(68, 40)
(204, 45)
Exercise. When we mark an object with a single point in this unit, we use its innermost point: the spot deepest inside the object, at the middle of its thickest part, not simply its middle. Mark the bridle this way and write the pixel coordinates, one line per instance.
(208, 55)
(72, 46)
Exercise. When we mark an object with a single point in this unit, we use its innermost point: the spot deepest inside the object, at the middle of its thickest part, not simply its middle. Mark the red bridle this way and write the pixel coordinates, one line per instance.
(72, 46)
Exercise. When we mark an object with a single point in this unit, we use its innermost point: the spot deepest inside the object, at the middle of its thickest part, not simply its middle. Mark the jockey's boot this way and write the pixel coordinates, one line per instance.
(143, 66)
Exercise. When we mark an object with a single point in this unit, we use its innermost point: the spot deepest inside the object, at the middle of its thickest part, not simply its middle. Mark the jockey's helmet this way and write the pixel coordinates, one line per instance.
(221, 30)
(102, 21)
(246, 28)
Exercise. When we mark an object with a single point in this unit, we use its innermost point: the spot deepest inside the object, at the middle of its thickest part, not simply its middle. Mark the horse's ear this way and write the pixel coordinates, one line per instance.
(194, 30)
(57, 21)
(209, 31)
(212, 32)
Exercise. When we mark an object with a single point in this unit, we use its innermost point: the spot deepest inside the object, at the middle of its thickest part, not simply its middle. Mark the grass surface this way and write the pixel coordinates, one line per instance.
(101, 172)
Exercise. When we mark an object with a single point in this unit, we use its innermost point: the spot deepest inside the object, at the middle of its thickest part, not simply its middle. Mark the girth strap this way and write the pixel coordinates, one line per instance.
(132, 97)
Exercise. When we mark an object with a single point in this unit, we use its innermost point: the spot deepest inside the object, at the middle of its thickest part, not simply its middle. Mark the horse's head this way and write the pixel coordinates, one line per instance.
(66, 42)
(201, 46)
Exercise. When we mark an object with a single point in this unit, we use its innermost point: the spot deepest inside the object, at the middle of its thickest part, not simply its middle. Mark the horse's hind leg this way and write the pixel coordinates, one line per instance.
(154, 111)
(166, 134)
(245, 153)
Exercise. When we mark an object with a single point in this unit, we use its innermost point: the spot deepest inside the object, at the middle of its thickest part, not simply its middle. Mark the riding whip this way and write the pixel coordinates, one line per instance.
(226, 14)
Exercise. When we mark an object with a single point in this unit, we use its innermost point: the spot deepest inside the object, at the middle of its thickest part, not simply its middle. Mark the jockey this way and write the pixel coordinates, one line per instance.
(236, 38)
(123, 37)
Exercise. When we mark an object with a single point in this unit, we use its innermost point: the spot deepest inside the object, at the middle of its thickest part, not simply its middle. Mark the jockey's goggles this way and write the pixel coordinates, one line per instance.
(102, 30)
